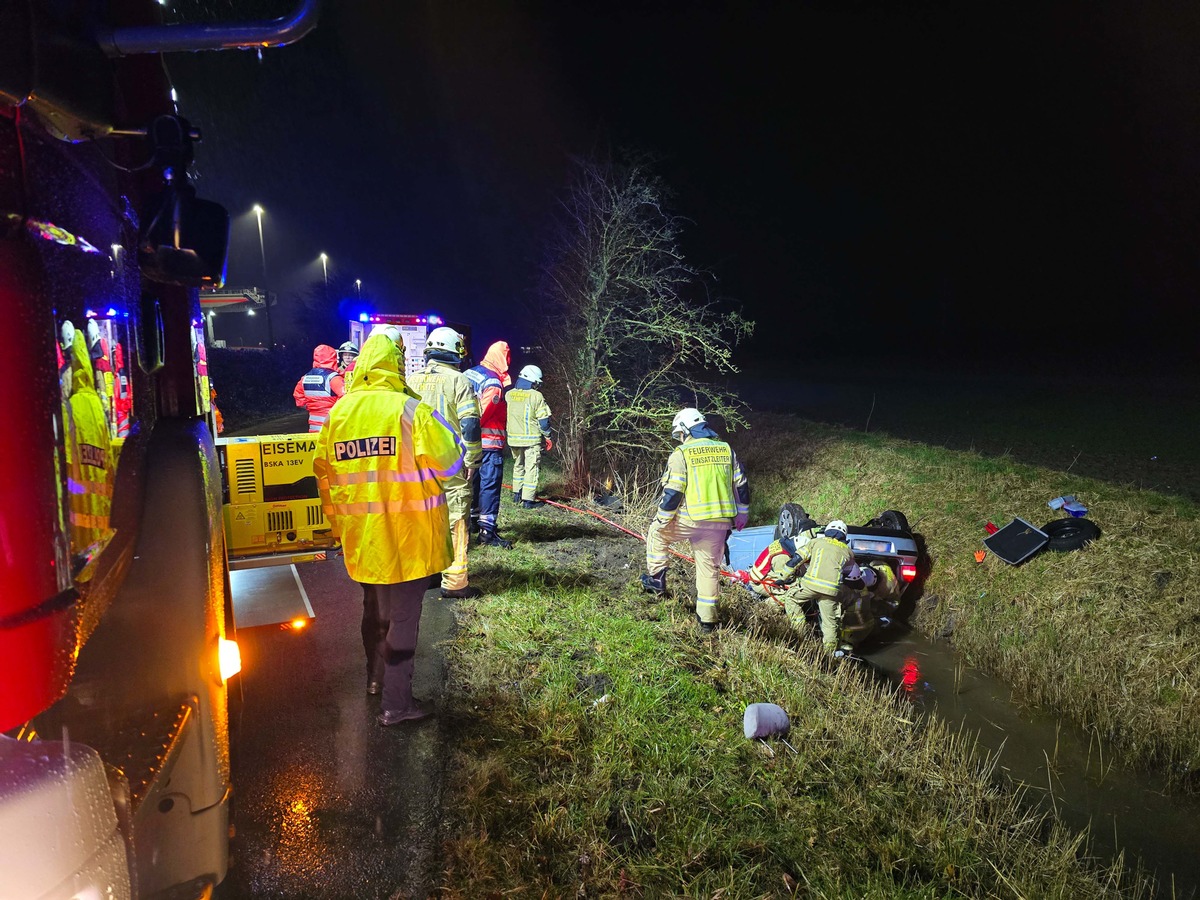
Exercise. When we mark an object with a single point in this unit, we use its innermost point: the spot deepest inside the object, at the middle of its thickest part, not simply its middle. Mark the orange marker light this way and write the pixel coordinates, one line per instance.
(298, 624)
(229, 658)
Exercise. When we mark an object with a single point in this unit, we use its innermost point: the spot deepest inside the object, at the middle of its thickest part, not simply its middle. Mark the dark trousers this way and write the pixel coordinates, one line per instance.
(491, 474)
(391, 620)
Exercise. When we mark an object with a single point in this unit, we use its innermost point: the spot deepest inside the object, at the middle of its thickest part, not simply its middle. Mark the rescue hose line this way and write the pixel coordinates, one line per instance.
(641, 537)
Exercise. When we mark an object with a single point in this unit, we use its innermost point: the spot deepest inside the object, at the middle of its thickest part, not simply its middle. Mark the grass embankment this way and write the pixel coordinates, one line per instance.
(600, 753)
(1107, 635)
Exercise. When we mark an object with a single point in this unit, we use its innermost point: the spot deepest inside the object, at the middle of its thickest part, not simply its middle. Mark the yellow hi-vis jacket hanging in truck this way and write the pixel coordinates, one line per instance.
(380, 463)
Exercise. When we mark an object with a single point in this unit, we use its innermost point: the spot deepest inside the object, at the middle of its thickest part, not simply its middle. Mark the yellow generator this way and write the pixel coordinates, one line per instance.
(272, 509)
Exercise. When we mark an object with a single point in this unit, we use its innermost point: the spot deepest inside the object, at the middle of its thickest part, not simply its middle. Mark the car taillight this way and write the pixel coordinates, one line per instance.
(908, 571)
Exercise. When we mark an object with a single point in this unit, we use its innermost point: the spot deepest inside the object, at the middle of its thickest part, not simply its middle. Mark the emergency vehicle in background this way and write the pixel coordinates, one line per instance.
(116, 643)
(272, 510)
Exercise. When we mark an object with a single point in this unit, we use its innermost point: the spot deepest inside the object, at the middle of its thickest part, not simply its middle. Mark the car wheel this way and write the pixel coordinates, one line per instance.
(791, 517)
(1070, 534)
(891, 519)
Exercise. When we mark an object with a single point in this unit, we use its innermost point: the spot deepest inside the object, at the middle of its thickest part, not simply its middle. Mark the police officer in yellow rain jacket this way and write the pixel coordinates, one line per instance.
(704, 494)
(449, 391)
(528, 431)
(90, 466)
(382, 461)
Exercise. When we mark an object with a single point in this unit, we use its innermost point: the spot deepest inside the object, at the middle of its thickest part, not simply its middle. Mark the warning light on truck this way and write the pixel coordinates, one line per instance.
(229, 658)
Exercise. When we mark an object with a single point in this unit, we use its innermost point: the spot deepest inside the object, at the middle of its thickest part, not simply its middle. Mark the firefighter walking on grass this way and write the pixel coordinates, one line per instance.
(381, 463)
(449, 392)
(528, 432)
(704, 494)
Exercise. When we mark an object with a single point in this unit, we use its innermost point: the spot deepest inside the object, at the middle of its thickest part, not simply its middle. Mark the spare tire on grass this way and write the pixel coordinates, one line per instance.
(1070, 534)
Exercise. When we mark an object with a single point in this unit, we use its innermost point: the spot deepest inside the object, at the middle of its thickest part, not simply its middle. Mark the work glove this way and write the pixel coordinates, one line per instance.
(549, 445)
(740, 520)
(743, 576)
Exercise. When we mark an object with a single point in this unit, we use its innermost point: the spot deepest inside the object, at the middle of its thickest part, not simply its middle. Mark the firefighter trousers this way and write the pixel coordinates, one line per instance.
(458, 503)
(525, 471)
(708, 547)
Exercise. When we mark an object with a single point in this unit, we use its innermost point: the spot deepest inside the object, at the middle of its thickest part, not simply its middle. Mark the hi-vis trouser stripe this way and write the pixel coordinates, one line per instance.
(708, 545)
(384, 506)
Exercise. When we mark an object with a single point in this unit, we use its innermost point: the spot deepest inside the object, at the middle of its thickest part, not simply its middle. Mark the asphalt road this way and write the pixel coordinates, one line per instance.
(327, 804)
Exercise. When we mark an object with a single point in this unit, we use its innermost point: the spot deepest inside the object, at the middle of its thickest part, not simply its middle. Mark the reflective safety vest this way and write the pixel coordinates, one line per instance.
(380, 477)
(90, 470)
(772, 564)
(318, 396)
(526, 409)
(706, 480)
(493, 409)
(826, 559)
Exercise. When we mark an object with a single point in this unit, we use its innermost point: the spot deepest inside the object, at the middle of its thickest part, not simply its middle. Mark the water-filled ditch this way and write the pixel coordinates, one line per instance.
(1068, 769)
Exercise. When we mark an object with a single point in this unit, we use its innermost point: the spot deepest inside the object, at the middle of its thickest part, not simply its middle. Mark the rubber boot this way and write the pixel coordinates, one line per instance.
(490, 538)
(705, 627)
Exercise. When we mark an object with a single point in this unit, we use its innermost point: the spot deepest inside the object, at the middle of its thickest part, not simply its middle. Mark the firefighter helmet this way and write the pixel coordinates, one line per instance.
(348, 348)
(393, 332)
(685, 420)
(532, 374)
(445, 339)
(838, 526)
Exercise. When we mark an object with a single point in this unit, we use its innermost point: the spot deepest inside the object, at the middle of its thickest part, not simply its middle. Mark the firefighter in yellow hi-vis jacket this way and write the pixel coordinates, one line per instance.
(381, 462)
(449, 392)
(528, 432)
(704, 494)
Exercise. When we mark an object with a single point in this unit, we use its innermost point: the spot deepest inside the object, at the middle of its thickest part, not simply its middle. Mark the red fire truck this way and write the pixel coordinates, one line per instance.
(116, 646)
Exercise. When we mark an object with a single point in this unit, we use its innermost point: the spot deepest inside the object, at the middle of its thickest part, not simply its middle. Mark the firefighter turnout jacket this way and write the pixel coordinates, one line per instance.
(380, 463)
(449, 392)
(706, 473)
(528, 417)
(827, 561)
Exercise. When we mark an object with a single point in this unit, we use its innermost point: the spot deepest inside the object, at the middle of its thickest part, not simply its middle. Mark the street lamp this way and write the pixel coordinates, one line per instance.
(358, 286)
(262, 249)
(325, 268)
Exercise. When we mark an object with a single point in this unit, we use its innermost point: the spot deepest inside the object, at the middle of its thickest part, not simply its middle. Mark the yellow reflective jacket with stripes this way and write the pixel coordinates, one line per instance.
(380, 463)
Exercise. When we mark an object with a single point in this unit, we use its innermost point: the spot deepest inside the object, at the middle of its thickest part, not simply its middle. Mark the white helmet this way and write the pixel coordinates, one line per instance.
(839, 526)
(392, 331)
(868, 576)
(68, 334)
(445, 339)
(532, 374)
(685, 420)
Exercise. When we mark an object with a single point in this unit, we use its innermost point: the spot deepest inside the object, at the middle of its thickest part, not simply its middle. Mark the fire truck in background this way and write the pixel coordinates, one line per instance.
(116, 643)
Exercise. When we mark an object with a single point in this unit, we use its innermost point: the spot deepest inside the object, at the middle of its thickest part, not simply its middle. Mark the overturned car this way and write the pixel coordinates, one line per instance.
(767, 560)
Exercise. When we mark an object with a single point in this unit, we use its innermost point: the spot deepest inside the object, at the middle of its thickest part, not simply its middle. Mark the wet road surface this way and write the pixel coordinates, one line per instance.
(327, 803)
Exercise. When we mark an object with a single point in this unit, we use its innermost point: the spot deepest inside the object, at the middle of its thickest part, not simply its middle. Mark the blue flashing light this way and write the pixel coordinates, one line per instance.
(436, 320)
(111, 312)
(363, 317)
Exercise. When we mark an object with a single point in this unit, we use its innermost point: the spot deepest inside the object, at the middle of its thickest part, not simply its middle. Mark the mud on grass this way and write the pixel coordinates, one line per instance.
(600, 754)
(1105, 635)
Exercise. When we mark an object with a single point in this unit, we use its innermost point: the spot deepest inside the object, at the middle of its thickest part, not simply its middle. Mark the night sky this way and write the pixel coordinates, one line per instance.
(953, 180)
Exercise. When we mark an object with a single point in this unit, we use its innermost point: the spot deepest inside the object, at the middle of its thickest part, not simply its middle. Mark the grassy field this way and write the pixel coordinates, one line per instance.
(600, 752)
(1107, 635)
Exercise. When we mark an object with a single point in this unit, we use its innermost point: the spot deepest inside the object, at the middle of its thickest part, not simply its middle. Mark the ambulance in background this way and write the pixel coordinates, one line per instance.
(116, 641)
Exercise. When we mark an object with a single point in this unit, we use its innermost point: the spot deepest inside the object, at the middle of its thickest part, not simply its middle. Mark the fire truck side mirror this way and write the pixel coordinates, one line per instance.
(185, 240)
(151, 336)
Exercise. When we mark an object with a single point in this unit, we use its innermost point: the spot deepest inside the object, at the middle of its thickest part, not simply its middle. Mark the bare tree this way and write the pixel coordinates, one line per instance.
(631, 331)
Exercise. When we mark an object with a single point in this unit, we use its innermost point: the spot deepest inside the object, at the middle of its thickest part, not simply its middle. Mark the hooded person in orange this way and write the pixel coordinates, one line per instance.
(489, 379)
(320, 387)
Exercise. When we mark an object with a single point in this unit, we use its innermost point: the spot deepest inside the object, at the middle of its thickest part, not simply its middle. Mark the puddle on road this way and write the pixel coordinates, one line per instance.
(1126, 809)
